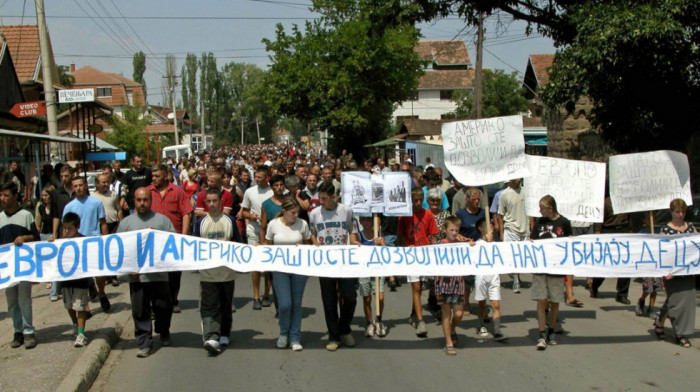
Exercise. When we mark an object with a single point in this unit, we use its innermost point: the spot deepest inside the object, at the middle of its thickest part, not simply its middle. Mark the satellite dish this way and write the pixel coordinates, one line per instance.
(171, 116)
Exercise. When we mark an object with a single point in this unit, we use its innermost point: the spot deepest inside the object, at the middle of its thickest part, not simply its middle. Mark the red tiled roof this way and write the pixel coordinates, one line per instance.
(444, 52)
(540, 65)
(88, 76)
(447, 78)
(23, 42)
(163, 111)
(416, 127)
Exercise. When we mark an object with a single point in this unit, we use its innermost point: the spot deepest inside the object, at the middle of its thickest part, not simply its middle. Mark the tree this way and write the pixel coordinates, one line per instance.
(189, 87)
(503, 96)
(64, 77)
(345, 71)
(208, 85)
(139, 63)
(128, 131)
(169, 80)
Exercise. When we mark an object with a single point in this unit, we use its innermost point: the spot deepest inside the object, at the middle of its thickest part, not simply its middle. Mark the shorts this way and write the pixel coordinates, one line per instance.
(413, 279)
(456, 300)
(488, 287)
(252, 234)
(369, 286)
(75, 298)
(652, 285)
(549, 287)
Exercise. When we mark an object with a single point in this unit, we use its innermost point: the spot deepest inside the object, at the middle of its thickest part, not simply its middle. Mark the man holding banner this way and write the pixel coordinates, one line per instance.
(516, 225)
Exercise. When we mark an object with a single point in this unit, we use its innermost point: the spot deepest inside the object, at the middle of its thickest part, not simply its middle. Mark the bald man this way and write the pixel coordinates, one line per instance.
(152, 288)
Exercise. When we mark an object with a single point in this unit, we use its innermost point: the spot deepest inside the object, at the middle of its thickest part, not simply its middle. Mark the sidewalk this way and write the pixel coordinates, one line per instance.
(54, 364)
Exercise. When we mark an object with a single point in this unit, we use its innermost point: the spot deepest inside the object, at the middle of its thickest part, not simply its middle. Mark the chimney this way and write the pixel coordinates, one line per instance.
(72, 67)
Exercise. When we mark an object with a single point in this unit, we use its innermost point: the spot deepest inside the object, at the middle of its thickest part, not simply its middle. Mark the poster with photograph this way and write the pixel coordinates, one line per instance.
(388, 193)
(397, 194)
(357, 191)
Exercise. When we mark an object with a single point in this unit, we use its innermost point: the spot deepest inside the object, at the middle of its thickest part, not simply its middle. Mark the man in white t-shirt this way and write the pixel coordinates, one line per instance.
(516, 226)
(251, 208)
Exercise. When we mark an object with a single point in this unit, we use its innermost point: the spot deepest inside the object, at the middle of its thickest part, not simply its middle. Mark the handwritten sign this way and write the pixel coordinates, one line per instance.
(485, 151)
(145, 251)
(387, 192)
(648, 181)
(577, 186)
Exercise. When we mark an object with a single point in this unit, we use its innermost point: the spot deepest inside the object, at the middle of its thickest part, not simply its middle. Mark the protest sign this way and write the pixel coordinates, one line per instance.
(145, 251)
(388, 193)
(648, 181)
(577, 186)
(485, 151)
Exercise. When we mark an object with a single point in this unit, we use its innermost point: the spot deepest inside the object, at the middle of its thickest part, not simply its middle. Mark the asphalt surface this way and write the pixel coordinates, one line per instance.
(605, 347)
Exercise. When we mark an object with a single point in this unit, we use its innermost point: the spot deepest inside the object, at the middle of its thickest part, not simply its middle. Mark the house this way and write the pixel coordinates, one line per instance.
(111, 89)
(536, 76)
(448, 70)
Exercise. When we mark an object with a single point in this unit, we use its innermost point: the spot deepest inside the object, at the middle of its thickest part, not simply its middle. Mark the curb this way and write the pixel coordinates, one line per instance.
(86, 369)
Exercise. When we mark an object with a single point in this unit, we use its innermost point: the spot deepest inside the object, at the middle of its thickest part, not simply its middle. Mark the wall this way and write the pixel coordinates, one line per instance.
(427, 107)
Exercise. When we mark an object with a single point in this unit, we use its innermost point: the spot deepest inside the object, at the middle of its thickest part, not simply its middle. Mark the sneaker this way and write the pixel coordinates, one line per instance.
(282, 342)
(53, 298)
(380, 329)
(551, 340)
(639, 309)
(143, 352)
(483, 332)
(370, 331)
(558, 329)
(224, 341)
(177, 309)
(421, 330)
(80, 341)
(499, 337)
(29, 341)
(332, 346)
(165, 341)
(18, 340)
(266, 302)
(347, 340)
(541, 344)
(256, 304)
(104, 304)
(296, 346)
(212, 346)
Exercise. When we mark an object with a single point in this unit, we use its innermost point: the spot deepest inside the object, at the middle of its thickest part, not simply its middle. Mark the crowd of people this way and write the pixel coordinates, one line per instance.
(280, 195)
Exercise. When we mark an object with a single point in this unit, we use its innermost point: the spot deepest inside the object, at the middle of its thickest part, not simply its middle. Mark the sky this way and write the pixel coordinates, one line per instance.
(106, 33)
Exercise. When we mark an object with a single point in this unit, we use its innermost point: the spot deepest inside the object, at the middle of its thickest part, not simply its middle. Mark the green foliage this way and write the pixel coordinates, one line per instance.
(503, 96)
(64, 77)
(128, 132)
(139, 63)
(345, 71)
(168, 81)
(189, 87)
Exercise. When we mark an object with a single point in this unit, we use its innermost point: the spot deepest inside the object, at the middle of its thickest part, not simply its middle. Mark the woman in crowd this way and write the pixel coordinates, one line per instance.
(287, 229)
(680, 290)
(434, 200)
(42, 219)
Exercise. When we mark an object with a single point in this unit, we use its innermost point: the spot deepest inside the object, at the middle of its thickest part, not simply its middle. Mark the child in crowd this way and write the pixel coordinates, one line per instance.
(649, 288)
(75, 292)
(449, 291)
(488, 287)
(417, 230)
(369, 285)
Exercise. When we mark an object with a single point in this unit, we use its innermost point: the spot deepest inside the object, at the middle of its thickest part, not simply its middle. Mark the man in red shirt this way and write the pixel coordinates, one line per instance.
(171, 201)
(214, 180)
(417, 230)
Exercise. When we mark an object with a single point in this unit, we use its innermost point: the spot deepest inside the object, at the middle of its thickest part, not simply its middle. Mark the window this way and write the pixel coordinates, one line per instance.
(130, 96)
(446, 95)
(104, 91)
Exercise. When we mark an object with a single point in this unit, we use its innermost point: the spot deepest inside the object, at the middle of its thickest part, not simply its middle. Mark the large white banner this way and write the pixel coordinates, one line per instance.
(577, 186)
(648, 181)
(144, 251)
(485, 151)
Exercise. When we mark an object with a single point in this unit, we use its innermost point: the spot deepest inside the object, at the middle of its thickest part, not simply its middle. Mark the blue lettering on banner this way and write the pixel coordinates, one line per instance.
(213, 247)
(3, 266)
(86, 252)
(170, 248)
(201, 250)
(24, 254)
(108, 253)
(662, 251)
(645, 250)
(61, 252)
(41, 257)
(697, 262)
(565, 247)
(144, 250)
(484, 259)
(399, 255)
(188, 247)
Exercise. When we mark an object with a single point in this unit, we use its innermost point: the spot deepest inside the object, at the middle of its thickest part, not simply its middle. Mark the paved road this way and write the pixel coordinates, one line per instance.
(605, 348)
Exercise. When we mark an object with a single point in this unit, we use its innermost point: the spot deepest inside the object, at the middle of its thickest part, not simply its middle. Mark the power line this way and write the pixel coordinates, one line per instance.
(183, 17)
(134, 31)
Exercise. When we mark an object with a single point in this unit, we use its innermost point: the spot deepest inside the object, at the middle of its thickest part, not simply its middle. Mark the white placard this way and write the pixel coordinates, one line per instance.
(577, 186)
(648, 181)
(485, 151)
(387, 192)
(78, 95)
(397, 194)
(357, 191)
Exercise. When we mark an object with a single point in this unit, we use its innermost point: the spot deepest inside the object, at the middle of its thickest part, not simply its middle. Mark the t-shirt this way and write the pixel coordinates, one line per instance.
(468, 226)
(332, 227)
(280, 234)
(444, 203)
(90, 211)
(548, 228)
(15, 225)
(221, 228)
(511, 206)
(110, 202)
(314, 199)
(252, 200)
(496, 201)
(226, 200)
(416, 229)
(154, 221)
(135, 180)
(271, 209)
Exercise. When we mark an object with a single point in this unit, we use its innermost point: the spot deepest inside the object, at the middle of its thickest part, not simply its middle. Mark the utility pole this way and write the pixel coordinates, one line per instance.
(47, 76)
(242, 120)
(257, 126)
(172, 95)
(479, 72)
(201, 142)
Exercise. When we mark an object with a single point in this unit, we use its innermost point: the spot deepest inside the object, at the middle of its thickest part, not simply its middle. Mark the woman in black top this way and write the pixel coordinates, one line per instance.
(43, 219)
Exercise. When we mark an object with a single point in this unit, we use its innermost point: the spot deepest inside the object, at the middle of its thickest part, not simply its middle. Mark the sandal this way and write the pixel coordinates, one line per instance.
(450, 350)
(683, 341)
(575, 303)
